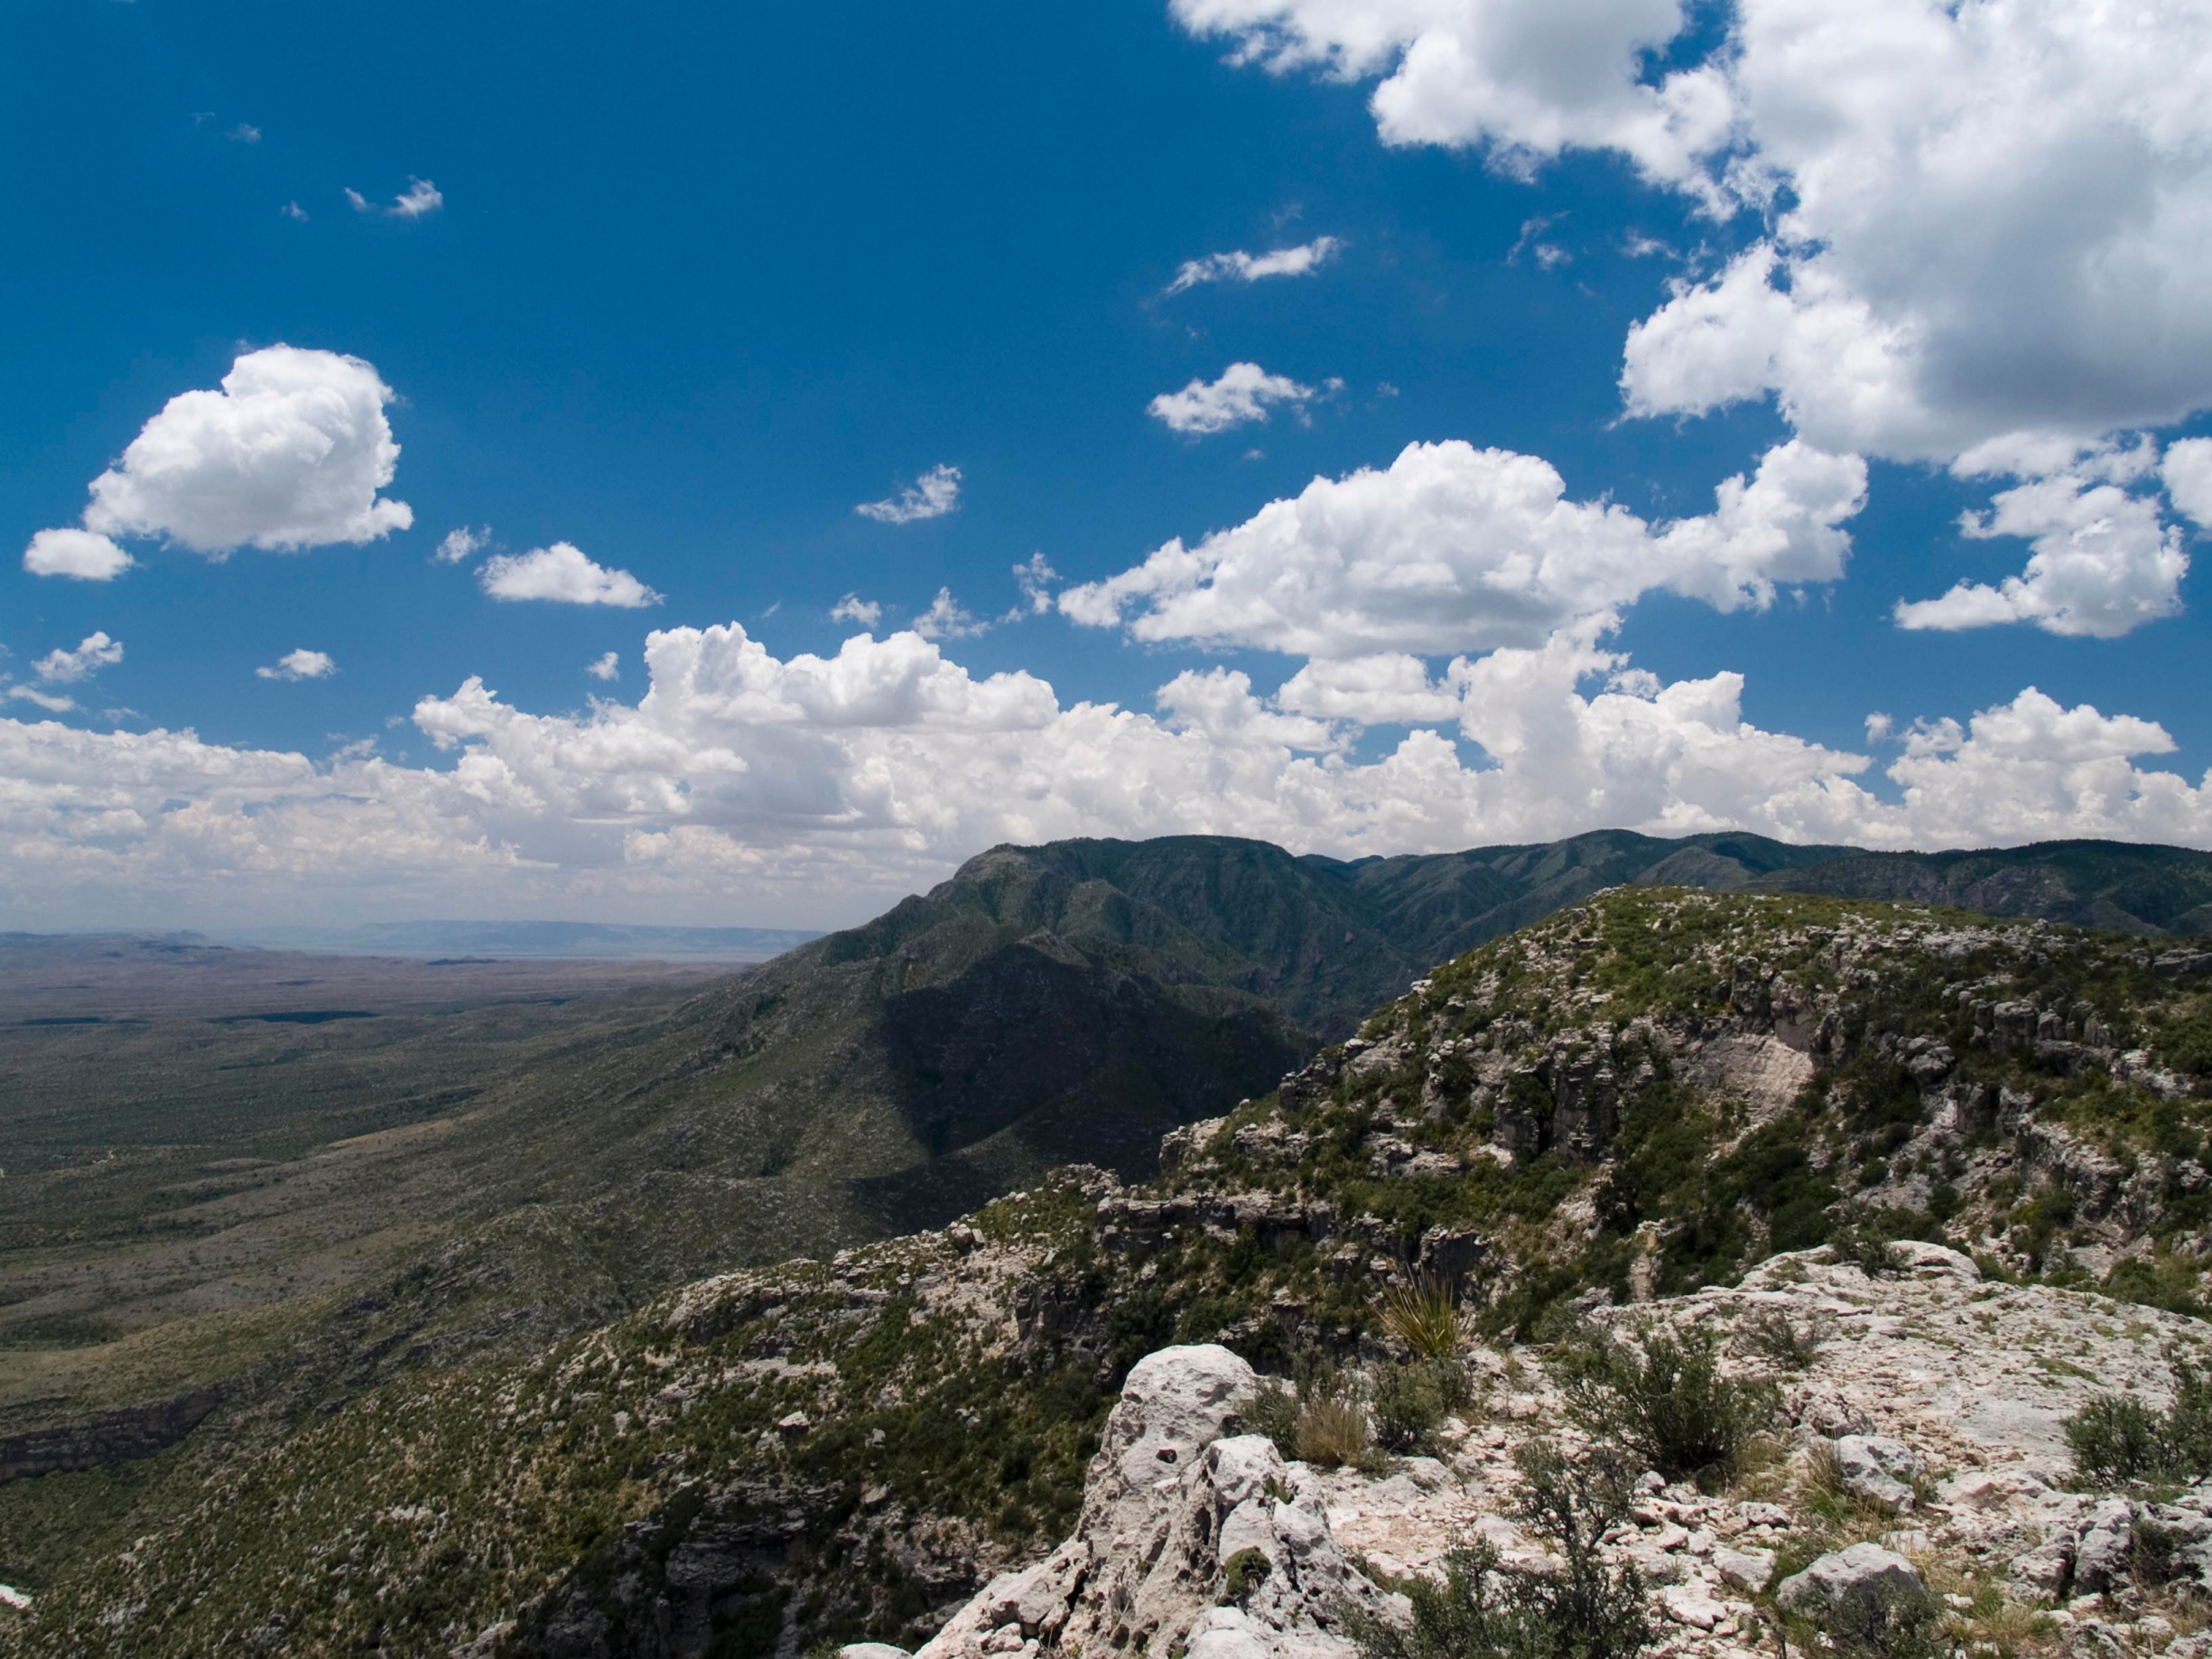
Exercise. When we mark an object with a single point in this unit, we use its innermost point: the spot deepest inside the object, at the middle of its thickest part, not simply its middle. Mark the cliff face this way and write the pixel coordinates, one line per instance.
(1660, 1105)
(114, 1437)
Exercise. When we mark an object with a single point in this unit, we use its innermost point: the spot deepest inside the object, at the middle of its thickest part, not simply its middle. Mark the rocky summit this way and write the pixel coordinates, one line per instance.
(1685, 1273)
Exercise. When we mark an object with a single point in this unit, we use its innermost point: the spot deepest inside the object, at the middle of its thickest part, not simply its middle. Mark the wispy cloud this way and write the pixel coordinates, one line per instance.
(245, 131)
(422, 199)
(294, 212)
(1548, 255)
(946, 619)
(932, 496)
(607, 668)
(95, 652)
(852, 608)
(462, 544)
(1033, 576)
(1303, 260)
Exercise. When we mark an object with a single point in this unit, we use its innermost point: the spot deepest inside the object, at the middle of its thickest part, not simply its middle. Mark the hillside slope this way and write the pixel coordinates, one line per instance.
(1654, 1091)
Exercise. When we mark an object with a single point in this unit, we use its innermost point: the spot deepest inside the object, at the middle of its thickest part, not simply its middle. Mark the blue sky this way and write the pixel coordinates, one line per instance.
(681, 288)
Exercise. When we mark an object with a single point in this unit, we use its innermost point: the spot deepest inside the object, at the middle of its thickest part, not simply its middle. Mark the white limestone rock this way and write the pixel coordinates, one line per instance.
(1169, 1500)
(1878, 1469)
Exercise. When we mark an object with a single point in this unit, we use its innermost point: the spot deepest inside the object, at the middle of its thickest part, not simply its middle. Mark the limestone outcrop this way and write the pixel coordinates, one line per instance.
(1175, 1500)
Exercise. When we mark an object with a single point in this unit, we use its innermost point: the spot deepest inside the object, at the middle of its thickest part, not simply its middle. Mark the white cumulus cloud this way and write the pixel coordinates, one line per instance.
(565, 575)
(79, 554)
(932, 496)
(1521, 80)
(852, 608)
(1244, 393)
(289, 454)
(2104, 562)
(2187, 471)
(607, 666)
(93, 653)
(300, 665)
(799, 784)
(1239, 266)
(1979, 217)
(1456, 549)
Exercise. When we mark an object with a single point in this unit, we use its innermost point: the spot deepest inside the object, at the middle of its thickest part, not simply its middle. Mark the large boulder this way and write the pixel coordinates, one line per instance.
(1865, 1574)
(1172, 1502)
(2102, 1549)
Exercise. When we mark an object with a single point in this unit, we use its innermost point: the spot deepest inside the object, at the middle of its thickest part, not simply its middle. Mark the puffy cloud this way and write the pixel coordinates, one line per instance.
(932, 496)
(1303, 260)
(300, 665)
(462, 544)
(2187, 471)
(75, 552)
(852, 608)
(290, 454)
(605, 667)
(1987, 216)
(1241, 394)
(789, 787)
(421, 199)
(2104, 562)
(946, 619)
(565, 575)
(93, 653)
(1456, 549)
(1523, 79)
(1997, 216)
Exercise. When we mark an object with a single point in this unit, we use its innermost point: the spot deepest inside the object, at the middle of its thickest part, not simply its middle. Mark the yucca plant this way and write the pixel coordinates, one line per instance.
(1424, 1314)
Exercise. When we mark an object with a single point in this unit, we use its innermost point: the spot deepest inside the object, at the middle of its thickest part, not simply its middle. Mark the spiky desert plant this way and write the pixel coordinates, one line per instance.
(1424, 1314)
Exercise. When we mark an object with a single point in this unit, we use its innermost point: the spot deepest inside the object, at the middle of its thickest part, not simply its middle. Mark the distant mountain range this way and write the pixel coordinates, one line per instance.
(583, 941)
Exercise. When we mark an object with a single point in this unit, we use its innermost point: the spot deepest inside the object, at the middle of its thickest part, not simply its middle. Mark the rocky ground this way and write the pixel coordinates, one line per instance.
(1922, 1445)
(1659, 1106)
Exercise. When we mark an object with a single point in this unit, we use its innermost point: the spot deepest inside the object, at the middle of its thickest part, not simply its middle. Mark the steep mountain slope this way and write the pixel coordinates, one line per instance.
(1654, 1091)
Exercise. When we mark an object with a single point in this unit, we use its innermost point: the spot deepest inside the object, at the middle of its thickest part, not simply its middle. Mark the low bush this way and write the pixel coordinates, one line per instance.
(1242, 1572)
(1409, 1403)
(1664, 1398)
(1587, 1608)
(2116, 1438)
(1786, 1344)
(1907, 1625)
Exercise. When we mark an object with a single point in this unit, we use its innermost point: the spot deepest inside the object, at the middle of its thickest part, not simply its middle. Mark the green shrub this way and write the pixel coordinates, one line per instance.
(1772, 1336)
(1865, 1245)
(1486, 1609)
(1664, 1398)
(1242, 1572)
(1409, 1401)
(1903, 1624)
(2116, 1438)
(1273, 1411)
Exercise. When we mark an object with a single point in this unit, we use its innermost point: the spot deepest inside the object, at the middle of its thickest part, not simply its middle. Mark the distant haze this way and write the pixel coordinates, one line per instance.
(599, 941)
